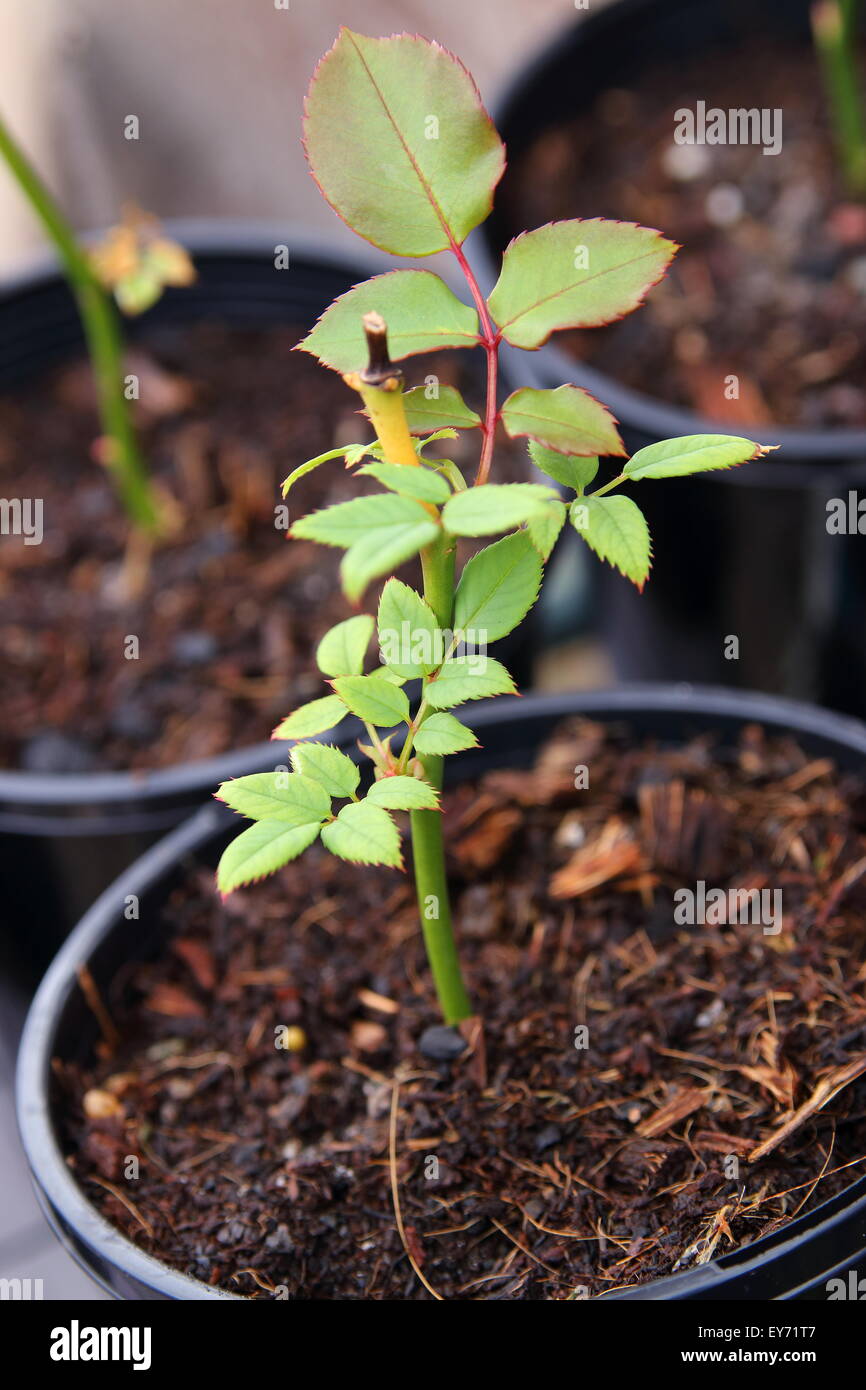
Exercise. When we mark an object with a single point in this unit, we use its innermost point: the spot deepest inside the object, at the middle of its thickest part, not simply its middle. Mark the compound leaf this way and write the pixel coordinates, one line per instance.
(364, 834)
(260, 850)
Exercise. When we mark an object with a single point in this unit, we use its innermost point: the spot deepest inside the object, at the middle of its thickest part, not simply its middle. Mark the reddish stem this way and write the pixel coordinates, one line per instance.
(489, 340)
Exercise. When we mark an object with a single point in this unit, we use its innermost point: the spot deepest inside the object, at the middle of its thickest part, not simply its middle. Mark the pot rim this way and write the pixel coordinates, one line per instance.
(35, 792)
(66, 1206)
(846, 448)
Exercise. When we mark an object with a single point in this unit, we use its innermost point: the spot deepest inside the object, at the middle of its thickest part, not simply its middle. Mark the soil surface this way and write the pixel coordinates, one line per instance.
(770, 283)
(713, 1096)
(227, 626)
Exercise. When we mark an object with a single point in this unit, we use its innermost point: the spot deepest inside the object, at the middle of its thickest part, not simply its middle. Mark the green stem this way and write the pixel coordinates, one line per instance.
(428, 850)
(834, 25)
(608, 487)
(103, 336)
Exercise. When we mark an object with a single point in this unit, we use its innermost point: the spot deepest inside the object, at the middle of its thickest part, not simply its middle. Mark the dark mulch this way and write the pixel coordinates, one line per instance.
(228, 623)
(770, 284)
(561, 1169)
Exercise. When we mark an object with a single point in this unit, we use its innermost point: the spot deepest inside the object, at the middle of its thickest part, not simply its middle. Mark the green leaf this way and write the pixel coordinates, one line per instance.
(403, 794)
(400, 144)
(451, 472)
(138, 291)
(693, 453)
(260, 850)
(447, 410)
(345, 523)
(498, 586)
(385, 673)
(544, 530)
(492, 507)
(571, 471)
(420, 483)
(575, 274)
(468, 678)
(567, 420)
(422, 314)
(342, 649)
(442, 734)
(357, 452)
(421, 444)
(615, 528)
(281, 796)
(373, 699)
(410, 640)
(316, 717)
(381, 552)
(379, 533)
(364, 834)
(304, 468)
(328, 766)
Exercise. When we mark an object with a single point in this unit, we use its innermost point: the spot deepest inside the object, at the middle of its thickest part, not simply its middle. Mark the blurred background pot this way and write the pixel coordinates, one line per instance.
(744, 553)
(64, 837)
(795, 1261)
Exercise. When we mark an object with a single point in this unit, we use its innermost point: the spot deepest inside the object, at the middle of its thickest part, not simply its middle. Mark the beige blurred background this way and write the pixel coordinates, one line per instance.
(217, 86)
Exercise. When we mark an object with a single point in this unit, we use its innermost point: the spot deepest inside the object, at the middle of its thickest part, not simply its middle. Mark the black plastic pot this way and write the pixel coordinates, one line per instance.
(65, 838)
(744, 552)
(793, 1263)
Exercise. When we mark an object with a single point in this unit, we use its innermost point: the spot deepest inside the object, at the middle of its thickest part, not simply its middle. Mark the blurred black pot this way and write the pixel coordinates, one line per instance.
(794, 1262)
(744, 552)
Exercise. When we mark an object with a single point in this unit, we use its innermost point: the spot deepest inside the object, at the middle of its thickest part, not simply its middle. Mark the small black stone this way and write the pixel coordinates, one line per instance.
(441, 1043)
(547, 1137)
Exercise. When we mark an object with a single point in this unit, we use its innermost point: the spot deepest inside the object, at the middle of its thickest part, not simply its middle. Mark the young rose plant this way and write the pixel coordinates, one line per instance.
(403, 150)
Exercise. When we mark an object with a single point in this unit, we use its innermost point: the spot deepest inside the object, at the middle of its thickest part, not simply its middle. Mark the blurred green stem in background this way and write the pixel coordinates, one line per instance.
(104, 341)
(834, 25)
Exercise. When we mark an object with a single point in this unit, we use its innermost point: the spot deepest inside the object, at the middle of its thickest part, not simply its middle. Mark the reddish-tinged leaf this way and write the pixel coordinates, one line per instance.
(575, 274)
(567, 420)
(422, 315)
(399, 142)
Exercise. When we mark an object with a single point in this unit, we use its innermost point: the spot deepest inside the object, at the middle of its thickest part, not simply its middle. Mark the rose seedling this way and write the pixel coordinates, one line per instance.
(403, 150)
(135, 262)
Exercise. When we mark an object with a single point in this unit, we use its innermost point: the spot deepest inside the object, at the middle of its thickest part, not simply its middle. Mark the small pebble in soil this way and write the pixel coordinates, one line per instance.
(441, 1044)
(194, 648)
(134, 721)
(547, 1137)
(232, 1233)
(685, 162)
(570, 833)
(724, 205)
(293, 1039)
(709, 1016)
(280, 1241)
(315, 587)
(53, 752)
